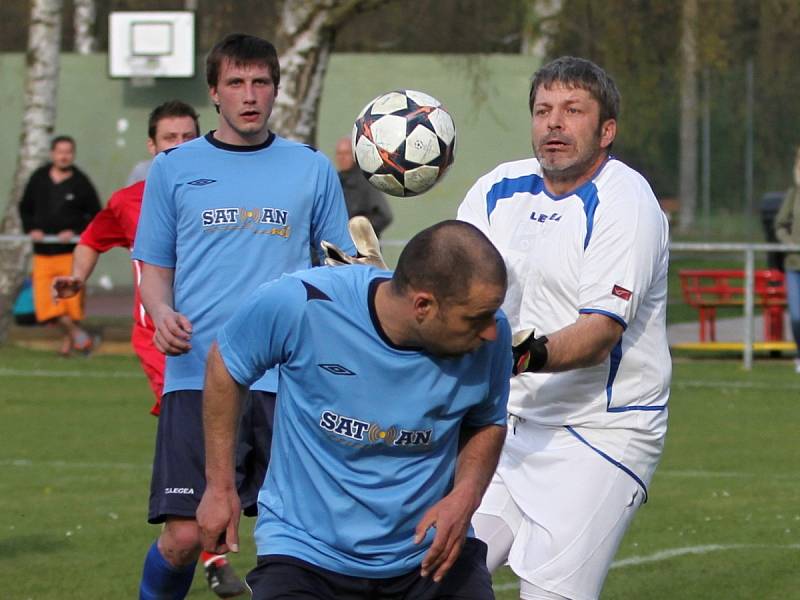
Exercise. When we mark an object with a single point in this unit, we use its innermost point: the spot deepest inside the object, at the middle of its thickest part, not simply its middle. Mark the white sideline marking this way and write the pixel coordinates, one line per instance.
(741, 385)
(698, 474)
(672, 553)
(87, 374)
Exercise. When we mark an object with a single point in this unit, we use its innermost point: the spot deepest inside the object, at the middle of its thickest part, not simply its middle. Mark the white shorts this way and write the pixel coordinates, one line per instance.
(566, 506)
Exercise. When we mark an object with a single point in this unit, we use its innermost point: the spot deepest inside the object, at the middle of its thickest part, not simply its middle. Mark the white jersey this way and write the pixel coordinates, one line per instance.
(602, 248)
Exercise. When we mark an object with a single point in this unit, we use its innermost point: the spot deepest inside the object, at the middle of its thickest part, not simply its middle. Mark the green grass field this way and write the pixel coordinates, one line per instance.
(723, 521)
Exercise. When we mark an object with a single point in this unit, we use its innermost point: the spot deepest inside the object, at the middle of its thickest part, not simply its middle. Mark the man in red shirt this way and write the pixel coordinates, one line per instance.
(170, 124)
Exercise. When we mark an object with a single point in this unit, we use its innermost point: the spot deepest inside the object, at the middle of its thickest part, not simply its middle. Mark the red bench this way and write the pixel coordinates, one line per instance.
(709, 289)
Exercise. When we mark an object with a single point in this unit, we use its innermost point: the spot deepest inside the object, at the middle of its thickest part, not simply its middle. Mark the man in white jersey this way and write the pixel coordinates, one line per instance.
(391, 416)
(586, 247)
(221, 215)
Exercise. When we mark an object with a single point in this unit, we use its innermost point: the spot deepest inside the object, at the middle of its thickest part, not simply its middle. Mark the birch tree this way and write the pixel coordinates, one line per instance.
(690, 110)
(41, 91)
(83, 21)
(305, 35)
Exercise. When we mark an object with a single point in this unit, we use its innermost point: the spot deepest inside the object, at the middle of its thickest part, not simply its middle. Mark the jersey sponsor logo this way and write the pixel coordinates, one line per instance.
(265, 220)
(177, 490)
(202, 182)
(336, 369)
(365, 433)
(621, 292)
(542, 217)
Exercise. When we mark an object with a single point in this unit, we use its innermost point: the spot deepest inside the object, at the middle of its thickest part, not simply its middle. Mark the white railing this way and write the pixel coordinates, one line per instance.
(748, 250)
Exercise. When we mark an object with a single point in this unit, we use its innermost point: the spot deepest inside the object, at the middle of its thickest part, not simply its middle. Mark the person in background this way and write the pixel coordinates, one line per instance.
(59, 199)
(787, 230)
(170, 124)
(362, 199)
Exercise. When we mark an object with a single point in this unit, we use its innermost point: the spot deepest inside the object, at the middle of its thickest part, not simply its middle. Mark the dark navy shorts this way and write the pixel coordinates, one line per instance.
(179, 472)
(279, 577)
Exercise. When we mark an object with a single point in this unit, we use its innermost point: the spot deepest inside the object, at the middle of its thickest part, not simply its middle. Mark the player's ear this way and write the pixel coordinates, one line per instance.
(425, 305)
(608, 131)
(151, 146)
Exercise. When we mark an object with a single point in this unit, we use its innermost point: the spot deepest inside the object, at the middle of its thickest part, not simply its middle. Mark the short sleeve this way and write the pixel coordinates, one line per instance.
(104, 232)
(329, 218)
(628, 242)
(156, 232)
(261, 331)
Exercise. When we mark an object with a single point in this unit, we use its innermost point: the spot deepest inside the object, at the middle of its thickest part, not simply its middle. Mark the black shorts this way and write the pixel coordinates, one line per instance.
(179, 476)
(284, 577)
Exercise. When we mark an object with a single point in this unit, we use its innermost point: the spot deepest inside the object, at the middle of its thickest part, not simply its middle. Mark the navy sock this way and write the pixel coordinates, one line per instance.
(162, 581)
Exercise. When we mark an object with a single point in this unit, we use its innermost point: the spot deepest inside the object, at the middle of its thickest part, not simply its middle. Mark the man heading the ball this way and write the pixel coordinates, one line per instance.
(391, 417)
(221, 215)
(586, 245)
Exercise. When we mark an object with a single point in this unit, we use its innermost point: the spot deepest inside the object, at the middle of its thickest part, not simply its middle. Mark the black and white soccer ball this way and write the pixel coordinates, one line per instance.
(404, 142)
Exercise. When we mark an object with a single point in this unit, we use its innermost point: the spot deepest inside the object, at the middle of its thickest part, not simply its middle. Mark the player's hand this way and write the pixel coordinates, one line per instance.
(37, 235)
(368, 249)
(530, 352)
(66, 286)
(173, 332)
(451, 518)
(66, 235)
(218, 519)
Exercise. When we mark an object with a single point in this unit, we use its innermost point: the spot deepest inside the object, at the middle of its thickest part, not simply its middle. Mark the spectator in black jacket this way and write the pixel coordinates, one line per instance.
(58, 200)
(359, 195)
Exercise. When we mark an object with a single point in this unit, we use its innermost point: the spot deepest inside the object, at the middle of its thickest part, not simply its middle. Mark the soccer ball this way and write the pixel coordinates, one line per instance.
(404, 142)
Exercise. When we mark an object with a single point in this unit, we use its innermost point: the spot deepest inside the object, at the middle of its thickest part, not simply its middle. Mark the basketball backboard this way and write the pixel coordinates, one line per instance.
(151, 44)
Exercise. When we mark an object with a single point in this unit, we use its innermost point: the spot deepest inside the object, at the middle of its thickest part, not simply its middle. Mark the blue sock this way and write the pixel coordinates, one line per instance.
(162, 581)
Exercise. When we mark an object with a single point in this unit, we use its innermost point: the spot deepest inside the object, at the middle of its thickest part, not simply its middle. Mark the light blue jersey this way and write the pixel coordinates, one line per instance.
(366, 432)
(227, 219)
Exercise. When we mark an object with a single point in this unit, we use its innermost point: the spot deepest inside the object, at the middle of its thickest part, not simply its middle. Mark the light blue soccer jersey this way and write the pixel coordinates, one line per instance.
(227, 219)
(366, 432)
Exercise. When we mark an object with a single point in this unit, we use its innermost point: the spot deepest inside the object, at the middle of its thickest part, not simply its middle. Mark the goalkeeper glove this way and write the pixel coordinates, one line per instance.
(368, 249)
(530, 353)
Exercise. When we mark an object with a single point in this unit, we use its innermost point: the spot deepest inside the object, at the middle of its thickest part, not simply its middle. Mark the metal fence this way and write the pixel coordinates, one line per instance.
(747, 250)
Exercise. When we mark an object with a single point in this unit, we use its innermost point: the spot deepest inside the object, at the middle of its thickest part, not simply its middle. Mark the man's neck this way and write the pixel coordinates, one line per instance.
(58, 174)
(227, 135)
(561, 186)
(390, 311)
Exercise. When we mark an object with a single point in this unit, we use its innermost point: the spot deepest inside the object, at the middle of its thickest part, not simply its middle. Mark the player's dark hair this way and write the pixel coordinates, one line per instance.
(171, 109)
(62, 138)
(242, 49)
(579, 73)
(445, 259)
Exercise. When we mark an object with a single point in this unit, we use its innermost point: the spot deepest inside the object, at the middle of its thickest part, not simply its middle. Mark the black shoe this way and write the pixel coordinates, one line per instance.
(222, 579)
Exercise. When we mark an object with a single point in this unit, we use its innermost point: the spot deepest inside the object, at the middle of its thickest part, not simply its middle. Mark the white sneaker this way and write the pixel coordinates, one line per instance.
(797, 365)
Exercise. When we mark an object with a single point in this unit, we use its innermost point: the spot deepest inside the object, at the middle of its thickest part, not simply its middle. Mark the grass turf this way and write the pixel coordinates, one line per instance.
(723, 519)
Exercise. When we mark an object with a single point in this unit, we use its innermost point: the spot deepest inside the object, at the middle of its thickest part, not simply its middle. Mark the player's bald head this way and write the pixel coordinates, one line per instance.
(445, 259)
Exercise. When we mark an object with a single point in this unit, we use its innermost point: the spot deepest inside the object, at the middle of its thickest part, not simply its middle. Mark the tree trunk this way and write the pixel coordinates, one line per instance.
(84, 18)
(41, 91)
(690, 110)
(541, 21)
(305, 37)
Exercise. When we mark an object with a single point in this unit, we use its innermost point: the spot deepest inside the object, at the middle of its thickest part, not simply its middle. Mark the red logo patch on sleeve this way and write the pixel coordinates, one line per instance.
(621, 292)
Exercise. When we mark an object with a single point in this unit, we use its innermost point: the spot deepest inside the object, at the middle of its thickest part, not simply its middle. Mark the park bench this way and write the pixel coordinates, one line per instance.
(710, 289)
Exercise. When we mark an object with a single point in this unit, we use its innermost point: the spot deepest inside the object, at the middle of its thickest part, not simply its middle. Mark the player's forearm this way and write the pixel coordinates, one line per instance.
(221, 408)
(477, 460)
(156, 289)
(84, 260)
(585, 343)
